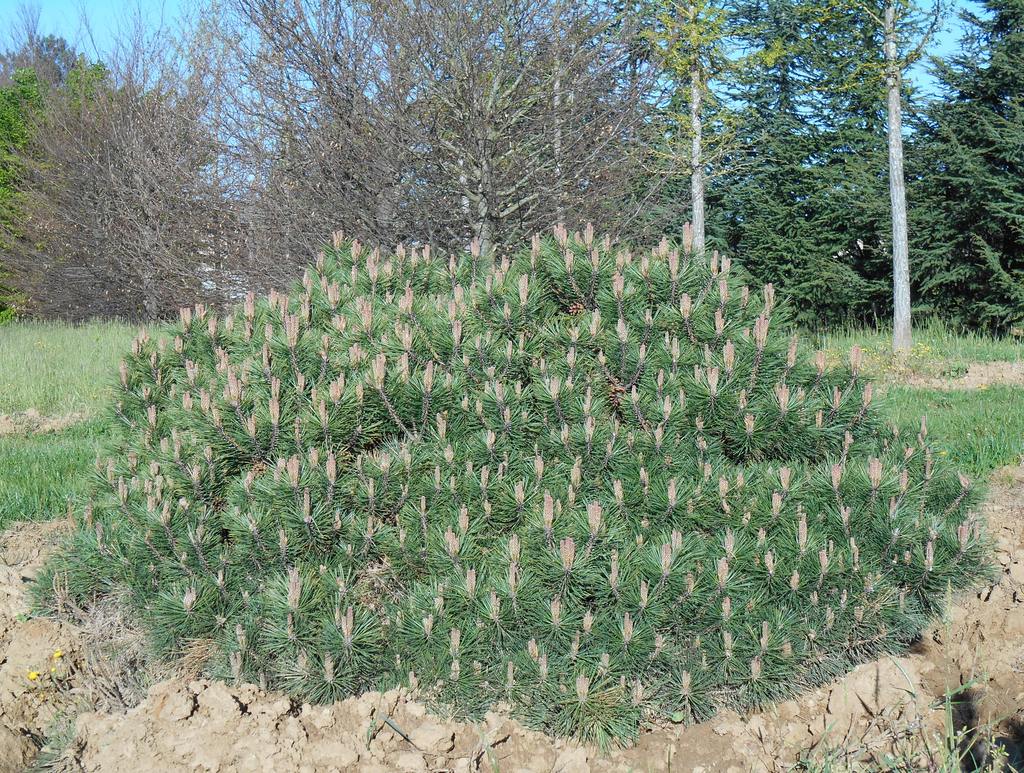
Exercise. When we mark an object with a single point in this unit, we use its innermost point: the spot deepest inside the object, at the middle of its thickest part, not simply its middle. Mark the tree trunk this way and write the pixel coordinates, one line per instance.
(483, 228)
(556, 100)
(901, 336)
(696, 159)
(485, 235)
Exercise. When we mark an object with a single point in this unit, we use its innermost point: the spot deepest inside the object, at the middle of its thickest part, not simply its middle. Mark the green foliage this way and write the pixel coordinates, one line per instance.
(603, 489)
(50, 57)
(689, 41)
(807, 203)
(23, 106)
(19, 101)
(970, 221)
(85, 81)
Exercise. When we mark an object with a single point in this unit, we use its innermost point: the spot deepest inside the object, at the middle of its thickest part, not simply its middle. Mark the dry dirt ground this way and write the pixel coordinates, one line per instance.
(978, 375)
(33, 422)
(186, 724)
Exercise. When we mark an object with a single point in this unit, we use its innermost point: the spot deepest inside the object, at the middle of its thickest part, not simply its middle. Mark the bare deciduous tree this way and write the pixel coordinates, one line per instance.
(124, 200)
(533, 119)
(324, 120)
(436, 120)
(240, 141)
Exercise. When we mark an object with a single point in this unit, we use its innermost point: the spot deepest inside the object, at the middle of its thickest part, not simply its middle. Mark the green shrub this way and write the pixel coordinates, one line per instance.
(601, 488)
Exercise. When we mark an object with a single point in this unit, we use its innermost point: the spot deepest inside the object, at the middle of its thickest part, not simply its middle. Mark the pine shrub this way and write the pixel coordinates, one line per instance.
(599, 488)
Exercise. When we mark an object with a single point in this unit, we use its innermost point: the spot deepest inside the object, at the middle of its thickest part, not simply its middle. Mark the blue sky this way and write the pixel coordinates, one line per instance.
(63, 17)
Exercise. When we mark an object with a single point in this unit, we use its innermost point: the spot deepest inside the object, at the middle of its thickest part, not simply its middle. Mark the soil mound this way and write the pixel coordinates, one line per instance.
(31, 696)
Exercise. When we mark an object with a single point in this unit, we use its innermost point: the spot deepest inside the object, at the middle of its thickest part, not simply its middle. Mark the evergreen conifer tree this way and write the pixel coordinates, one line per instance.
(970, 178)
(806, 203)
(604, 488)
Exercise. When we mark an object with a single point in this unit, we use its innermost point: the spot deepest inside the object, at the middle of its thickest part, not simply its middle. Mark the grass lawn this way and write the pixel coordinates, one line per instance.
(39, 473)
(56, 369)
(60, 369)
(980, 430)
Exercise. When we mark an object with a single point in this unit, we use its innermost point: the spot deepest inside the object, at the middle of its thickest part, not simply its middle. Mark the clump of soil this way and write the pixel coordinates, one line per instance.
(982, 641)
(215, 727)
(184, 724)
(31, 696)
(32, 422)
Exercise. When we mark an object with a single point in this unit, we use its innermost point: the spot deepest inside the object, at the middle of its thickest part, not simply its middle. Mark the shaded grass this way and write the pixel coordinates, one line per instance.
(980, 430)
(57, 368)
(39, 473)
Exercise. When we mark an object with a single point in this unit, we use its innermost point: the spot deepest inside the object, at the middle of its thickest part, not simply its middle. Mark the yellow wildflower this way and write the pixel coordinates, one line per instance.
(33, 675)
(58, 654)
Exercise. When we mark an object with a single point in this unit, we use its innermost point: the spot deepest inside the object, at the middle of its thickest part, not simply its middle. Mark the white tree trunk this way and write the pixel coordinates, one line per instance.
(556, 101)
(696, 160)
(901, 334)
